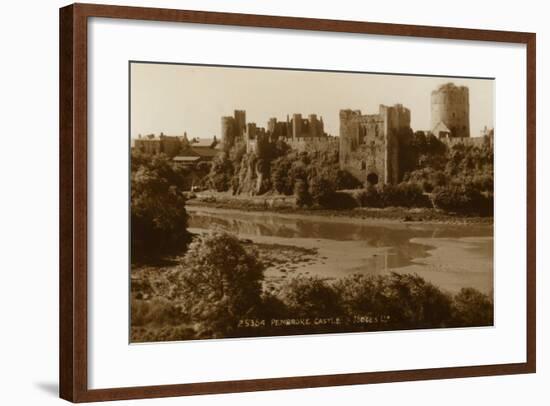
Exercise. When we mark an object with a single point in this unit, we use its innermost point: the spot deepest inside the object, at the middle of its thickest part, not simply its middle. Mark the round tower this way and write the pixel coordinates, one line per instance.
(450, 110)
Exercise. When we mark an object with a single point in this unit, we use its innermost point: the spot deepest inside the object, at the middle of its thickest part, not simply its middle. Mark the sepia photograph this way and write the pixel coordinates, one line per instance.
(278, 202)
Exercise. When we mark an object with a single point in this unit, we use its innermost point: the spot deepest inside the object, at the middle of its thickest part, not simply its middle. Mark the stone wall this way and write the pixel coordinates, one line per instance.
(313, 144)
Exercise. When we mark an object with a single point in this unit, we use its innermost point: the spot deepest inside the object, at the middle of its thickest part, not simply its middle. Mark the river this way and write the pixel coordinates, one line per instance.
(449, 256)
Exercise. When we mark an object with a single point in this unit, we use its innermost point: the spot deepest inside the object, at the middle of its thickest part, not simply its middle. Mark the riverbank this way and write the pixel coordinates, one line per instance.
(284, 205)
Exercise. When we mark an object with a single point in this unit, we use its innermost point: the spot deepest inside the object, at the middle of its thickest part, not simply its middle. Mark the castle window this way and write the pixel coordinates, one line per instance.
(363, 166)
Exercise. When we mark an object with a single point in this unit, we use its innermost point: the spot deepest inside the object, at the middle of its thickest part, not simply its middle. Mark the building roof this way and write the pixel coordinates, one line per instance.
(440, 127)
(203, 142)
(203, 151)
(186, 158)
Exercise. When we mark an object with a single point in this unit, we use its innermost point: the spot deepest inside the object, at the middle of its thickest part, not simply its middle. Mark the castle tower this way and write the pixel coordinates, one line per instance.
(313, 126)
(240, 122)
(228, 132)
(296, 125)
(450, 111)
(272, 125)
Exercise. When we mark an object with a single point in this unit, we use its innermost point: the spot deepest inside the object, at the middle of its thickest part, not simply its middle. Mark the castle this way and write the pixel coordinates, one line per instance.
(301, 134)
(370, 143)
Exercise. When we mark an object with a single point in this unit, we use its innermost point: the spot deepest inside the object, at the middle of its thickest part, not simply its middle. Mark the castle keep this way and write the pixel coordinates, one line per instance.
(450, 111)
(370, 143)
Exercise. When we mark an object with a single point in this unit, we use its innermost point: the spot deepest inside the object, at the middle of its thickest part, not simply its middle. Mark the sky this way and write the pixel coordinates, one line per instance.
(174, 99)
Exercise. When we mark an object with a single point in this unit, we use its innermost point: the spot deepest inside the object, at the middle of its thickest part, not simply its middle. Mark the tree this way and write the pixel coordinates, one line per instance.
(218, 283)
(280, 176)
(158, 215)
(321, 190)
(303, 198)
(221, 173)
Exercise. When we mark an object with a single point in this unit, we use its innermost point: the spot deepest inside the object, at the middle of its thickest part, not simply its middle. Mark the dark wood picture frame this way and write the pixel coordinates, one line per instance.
(73, 362)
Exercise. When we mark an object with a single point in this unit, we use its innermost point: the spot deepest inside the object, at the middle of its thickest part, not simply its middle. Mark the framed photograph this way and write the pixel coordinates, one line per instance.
(254, 202)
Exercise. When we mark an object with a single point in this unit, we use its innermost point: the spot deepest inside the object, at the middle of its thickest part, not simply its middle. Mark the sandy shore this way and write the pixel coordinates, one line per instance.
(450, 263)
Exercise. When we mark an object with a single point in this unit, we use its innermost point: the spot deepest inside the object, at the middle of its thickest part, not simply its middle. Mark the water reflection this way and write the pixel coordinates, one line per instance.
(451, 256)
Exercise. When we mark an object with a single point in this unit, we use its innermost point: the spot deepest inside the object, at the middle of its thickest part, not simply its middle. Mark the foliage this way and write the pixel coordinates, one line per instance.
(437, 165)
(218, 283)
(221, 173)
(157, 311)
(463, 199)
(369, 197)
(386, 195)
(158, 215)
(303, 198)
(309, 297)
(472, 308)
(321, 190)
(406, 300)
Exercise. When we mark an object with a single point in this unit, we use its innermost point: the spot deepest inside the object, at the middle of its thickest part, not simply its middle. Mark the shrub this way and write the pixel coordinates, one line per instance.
(364, 295)
(303, 198)
(321, 190)
(415, 303)
(218, 283)
(407, 300)
(463, 199)
(369, 197)
(472, 308)
(345, 180)
(340, 201)
(309, 297)
(402, 195)
(157, 311)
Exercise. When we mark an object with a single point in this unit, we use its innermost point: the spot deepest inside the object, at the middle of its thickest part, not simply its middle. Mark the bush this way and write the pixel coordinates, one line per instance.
(463, 199)
(364, 295)
(369, 197)
(472, 308)
(218, 283)
(402, 195)
(345, 180)
(408, 301)
(309, 297)
(340, 201)
(157, 311)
